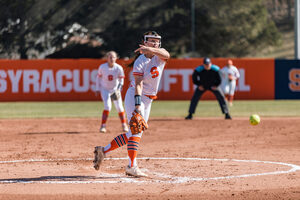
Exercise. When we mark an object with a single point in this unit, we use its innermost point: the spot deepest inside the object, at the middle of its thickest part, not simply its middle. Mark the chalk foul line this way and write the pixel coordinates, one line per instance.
(164, 178)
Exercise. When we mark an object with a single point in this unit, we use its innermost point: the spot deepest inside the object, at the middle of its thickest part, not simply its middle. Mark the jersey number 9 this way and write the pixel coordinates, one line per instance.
(110, 77)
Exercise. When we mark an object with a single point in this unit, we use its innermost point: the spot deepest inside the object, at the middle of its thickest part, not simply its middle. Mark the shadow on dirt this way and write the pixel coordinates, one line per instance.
(58, 132)
(57, 178)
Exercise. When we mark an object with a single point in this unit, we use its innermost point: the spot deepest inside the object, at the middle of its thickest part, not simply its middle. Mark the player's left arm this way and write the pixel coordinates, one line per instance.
(120, 84)
(138, 92)
(121, 80)
(137, 122)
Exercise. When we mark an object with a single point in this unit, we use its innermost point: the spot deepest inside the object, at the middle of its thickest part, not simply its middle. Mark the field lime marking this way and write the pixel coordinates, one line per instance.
(121, 178)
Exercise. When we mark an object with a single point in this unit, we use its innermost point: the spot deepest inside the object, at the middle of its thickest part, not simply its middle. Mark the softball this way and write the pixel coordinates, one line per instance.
(254, 119)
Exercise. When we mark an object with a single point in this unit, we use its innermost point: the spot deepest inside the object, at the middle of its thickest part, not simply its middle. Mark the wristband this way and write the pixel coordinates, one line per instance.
(120, 87)
(137, 100)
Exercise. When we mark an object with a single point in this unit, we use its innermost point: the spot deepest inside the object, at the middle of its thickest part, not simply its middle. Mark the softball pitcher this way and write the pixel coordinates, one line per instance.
(109, 83)
(229, 76)
(147, 71)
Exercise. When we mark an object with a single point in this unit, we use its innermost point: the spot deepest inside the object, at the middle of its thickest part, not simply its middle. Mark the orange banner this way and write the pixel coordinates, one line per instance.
(256, 81)
(48, 80)
(74, 80)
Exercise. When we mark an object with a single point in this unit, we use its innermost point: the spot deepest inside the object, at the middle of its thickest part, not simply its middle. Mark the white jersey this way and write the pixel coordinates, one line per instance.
(109, 78)
(229, 71)
(228, 86)
(151, 69)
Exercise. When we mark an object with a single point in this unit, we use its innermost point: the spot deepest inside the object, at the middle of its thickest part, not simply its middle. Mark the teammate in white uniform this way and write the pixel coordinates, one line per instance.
(229, 76)
(109, 83)
(147, 72)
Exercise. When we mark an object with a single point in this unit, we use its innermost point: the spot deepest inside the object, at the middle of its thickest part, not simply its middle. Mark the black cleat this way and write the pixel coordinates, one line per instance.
(227, 116)
(190, 116)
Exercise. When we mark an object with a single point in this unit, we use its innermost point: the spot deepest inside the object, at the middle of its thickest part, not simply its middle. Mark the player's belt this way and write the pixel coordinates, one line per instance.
(151, 96)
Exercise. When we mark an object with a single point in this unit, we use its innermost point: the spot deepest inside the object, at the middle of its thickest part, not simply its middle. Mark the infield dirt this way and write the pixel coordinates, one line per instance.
(274, 139)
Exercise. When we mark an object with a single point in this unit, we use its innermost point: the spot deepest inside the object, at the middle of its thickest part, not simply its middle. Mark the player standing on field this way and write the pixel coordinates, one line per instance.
(147, 71)
(109, 83)
(207, 77)
(229, 76)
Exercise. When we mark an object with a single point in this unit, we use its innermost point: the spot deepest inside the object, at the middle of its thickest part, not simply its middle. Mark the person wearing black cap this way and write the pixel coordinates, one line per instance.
(207, 77)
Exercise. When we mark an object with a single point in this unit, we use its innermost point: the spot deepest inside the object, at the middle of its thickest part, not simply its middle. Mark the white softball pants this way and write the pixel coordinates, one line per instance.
(130, 107)
(229, 87)
(105, 94)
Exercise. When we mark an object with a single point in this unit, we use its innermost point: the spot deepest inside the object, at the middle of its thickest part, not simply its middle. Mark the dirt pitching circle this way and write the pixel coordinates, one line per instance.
(204, 158)
(170, 178)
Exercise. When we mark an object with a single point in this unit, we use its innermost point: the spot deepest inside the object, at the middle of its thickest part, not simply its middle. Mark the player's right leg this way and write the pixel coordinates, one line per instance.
(231, 92)
(221, 99)
(100, 152)
(107, 107)
(132, 168)
(230, 100)
(120, 109)
(119, 141)
(194, 102)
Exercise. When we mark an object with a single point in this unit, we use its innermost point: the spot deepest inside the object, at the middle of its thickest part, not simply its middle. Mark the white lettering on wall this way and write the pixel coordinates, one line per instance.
(3, 84)
(168, 80)
(31, 77)
(47, 81)
(62, 75)
(15, 79)
(171, 76)
(76, 81)
(186, 74)
(93, 79)
(67, 80)
(241, 83)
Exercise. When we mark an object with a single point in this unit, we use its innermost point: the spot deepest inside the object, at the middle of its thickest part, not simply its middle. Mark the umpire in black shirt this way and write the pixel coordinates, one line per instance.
(207, 77)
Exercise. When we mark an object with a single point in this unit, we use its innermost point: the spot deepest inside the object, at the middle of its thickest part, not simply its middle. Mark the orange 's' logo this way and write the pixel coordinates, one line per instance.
(154, 72)
(294, 76)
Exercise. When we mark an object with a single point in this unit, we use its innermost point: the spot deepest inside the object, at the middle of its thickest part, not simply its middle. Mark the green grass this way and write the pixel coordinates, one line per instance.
(269, 108)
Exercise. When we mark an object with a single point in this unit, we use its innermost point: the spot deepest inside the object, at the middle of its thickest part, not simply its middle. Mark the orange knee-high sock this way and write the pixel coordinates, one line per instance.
(132, 147)
(226, 97)
(231, 98)
(117, 142)
(122, 117)
(105, 114)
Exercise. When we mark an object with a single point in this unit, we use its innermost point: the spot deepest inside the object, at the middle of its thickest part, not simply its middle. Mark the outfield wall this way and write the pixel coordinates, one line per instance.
(74, 79)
